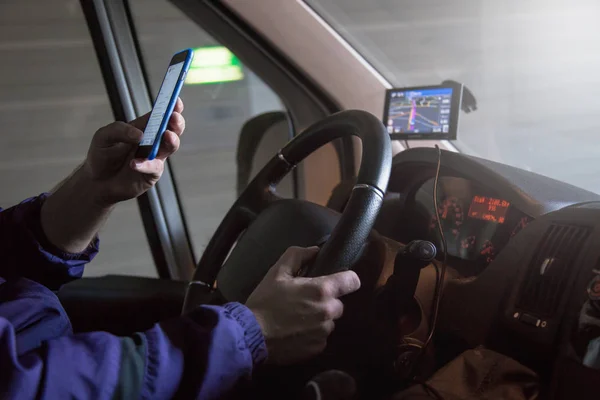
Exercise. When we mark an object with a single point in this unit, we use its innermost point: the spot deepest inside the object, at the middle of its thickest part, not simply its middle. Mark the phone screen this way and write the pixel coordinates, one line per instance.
(161, 104)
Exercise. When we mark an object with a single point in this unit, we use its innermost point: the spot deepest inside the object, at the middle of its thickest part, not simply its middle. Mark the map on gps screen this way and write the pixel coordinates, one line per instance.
(419, 111)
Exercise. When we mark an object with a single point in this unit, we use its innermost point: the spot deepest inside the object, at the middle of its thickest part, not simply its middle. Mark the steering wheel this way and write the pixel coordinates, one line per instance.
(262, 225)
(345, 243)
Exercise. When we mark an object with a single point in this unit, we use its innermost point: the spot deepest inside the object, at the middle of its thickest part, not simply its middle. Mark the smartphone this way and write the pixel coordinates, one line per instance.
(164, 104)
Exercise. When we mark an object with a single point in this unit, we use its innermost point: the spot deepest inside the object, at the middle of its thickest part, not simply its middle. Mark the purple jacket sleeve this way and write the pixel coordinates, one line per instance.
(203, 355)
(27, 253)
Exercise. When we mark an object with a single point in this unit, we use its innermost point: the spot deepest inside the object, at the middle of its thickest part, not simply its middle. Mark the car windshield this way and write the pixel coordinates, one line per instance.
(533, 68)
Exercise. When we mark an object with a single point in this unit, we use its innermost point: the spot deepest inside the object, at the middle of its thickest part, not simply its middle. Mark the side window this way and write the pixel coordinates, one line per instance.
(222, 97)
(52, 100)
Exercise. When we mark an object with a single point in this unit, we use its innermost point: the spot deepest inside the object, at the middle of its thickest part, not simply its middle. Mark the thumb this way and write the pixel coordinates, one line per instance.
(117, 132)
(140, 122)
(340, 283)
(294, 258)
(149, 167)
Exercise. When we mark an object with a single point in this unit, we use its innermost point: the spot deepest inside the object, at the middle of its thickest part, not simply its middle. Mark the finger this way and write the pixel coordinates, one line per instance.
(170, 144)
(149, 167)
(117, 132)
(178, 106)
(327, 327)
(338, 284)
(330, 310)
(140, 122)
(176, 123)
(316, 336)
(294, 257)
(320, 332)
(314, 349)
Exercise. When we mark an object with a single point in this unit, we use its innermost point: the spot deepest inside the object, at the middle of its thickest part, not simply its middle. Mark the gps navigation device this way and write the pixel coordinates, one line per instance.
(423, 112)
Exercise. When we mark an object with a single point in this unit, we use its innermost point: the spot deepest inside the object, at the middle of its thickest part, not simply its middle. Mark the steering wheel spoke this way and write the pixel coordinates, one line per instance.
(253, 204)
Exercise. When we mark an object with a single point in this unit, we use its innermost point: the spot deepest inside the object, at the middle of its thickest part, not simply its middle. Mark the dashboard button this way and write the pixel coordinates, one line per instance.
(529, 320)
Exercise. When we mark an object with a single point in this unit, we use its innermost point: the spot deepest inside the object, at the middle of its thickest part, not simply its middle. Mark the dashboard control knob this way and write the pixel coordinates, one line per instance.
(421, 250)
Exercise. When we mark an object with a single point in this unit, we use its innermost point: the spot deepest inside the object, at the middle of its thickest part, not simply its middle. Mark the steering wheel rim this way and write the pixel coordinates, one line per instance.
(344, 245)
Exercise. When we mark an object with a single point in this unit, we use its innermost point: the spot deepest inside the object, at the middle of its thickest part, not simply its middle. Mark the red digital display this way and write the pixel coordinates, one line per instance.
(488, 209)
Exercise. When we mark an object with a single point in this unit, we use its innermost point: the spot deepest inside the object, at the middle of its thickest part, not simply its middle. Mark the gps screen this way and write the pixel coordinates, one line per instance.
(422, 113)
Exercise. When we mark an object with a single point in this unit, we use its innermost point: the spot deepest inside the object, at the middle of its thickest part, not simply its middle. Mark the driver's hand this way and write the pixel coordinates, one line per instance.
(296, 314)
(110, 162)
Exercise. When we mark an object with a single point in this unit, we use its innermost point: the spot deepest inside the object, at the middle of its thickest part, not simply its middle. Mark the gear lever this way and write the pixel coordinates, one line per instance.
(400, 287)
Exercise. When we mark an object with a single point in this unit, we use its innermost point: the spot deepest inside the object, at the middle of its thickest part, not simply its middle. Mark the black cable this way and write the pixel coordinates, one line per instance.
(439, 282)
(406, 144)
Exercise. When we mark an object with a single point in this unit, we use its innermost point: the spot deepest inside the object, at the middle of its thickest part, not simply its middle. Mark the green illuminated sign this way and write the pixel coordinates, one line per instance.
(214, 64)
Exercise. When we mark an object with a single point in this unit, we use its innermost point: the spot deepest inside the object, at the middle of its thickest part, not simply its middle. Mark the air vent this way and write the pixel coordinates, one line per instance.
(550, 269)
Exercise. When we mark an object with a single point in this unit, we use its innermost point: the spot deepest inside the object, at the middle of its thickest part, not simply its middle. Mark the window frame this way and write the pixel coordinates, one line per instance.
(110, 29)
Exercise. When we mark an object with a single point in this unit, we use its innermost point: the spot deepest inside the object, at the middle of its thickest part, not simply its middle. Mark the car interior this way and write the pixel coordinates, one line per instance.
(458, 251)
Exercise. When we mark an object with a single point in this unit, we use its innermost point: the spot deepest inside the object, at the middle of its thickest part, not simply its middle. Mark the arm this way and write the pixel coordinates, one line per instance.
(80, 205)
(201, 355)
(72, 216)
(50, 238)
(27, 252)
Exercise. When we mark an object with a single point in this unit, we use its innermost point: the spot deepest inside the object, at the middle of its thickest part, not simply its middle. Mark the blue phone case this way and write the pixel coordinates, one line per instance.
(172, 102)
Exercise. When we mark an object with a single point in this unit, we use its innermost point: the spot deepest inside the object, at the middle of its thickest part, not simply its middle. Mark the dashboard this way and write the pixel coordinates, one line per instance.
(525, 260)
(483, 205)
(477, 222)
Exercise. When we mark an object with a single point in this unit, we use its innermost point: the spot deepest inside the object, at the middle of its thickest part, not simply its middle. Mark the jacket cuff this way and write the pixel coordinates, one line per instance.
(253, 336)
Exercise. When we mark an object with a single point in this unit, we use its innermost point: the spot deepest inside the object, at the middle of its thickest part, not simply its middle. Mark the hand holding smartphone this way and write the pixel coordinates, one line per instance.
(164, 104)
